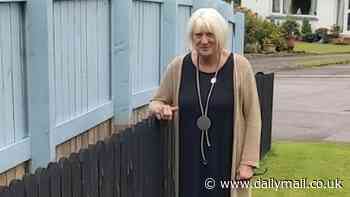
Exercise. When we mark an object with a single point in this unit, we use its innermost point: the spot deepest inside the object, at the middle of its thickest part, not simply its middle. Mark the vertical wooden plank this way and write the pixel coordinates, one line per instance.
(91, 136)
(57, 6)
(18, 75)
(77, 55)
(43, 179)
(138, 161)
(116, 142)
(85, 169)
(85, 139)
(157, 57)
(146, 145)
(72, 57)
(73, 145)
(93, 170)
(3, 180)
(133, 44)
(132, 183)
(17, 189)
(99, 38)
(20, 171)
(7, 74)
(59, 152)
(84, 57)
(23, 101)
(10, 175)
(65, 55)
(76, 175)
(79, 143)
(54, 173)
(31, 186)
(106, 84)
(96, 134)
(91, 54)
(2, 78)
(100, 150)
(124, 164)
(107, 166)
(66, 177)
(67, 148)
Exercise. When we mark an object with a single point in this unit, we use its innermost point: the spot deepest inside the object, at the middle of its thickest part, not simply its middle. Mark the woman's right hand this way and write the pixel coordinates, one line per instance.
(162, 111)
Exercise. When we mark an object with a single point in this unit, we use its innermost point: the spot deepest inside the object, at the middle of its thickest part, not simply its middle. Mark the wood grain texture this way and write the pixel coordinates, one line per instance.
(12, 88)
(14, 173)
(139, 114)
(81, 56)
(75, 144)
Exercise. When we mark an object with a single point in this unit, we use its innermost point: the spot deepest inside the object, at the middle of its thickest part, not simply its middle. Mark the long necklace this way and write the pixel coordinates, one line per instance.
(204, 122)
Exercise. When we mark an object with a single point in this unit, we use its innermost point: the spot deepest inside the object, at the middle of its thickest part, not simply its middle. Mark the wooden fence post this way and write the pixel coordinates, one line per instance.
(120, 64)
(39, 57)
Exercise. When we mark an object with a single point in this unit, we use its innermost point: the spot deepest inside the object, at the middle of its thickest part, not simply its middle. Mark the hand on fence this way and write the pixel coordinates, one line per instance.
(162, 111)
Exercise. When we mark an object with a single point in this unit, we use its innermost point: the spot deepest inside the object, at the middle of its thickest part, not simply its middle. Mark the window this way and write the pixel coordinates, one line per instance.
(297, 7)
(303, 7)
(276, 6)
(348, 21)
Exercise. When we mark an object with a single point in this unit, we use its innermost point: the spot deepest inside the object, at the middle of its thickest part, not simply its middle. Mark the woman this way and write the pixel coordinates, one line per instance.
(211, 96)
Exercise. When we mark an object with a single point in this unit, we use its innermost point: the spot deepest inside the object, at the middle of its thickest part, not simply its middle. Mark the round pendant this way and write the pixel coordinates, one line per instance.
(203, 123)
(213, 80)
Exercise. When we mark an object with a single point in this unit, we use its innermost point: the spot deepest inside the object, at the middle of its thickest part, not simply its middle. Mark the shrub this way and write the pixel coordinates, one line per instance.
(258, 31)
(306, 27)
(290, 27)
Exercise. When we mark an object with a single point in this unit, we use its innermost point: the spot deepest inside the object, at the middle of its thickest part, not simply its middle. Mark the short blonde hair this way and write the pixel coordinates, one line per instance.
(208, 19)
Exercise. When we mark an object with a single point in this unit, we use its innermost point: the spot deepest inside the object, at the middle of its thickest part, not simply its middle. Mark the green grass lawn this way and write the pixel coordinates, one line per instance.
(324, 62)
(297, 160)
(319, 48)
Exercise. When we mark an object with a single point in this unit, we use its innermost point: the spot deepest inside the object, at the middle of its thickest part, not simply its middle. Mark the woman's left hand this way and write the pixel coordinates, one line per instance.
(245, 172)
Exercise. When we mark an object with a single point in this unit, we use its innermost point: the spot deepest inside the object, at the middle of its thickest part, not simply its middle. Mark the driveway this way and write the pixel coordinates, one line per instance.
(312, 104)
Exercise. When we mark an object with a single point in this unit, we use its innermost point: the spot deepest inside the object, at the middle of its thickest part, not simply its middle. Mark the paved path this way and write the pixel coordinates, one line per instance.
(312, 104)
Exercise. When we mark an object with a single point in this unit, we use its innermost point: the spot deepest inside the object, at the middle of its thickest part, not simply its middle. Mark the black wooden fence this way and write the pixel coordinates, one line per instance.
(265, 90)
(138, 162)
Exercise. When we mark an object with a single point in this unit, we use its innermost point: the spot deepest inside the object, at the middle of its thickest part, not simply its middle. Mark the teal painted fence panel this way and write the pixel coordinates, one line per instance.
(184, 14)
(81, 57)
(92, 59)
(231, 39)
(12, 88)
(238, 19)
(145, 50)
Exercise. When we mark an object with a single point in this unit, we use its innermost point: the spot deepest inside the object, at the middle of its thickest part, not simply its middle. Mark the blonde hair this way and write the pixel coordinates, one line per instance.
(210, 20)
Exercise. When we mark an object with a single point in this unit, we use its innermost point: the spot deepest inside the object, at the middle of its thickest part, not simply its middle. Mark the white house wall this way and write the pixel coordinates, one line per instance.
(263, 7)
(326, 13)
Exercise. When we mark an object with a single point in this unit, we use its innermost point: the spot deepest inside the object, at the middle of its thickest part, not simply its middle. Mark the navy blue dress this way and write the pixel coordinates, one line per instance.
(192, 171)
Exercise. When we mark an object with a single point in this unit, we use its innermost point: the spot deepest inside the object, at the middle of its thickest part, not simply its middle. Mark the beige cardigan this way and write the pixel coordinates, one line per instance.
(247, 127)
